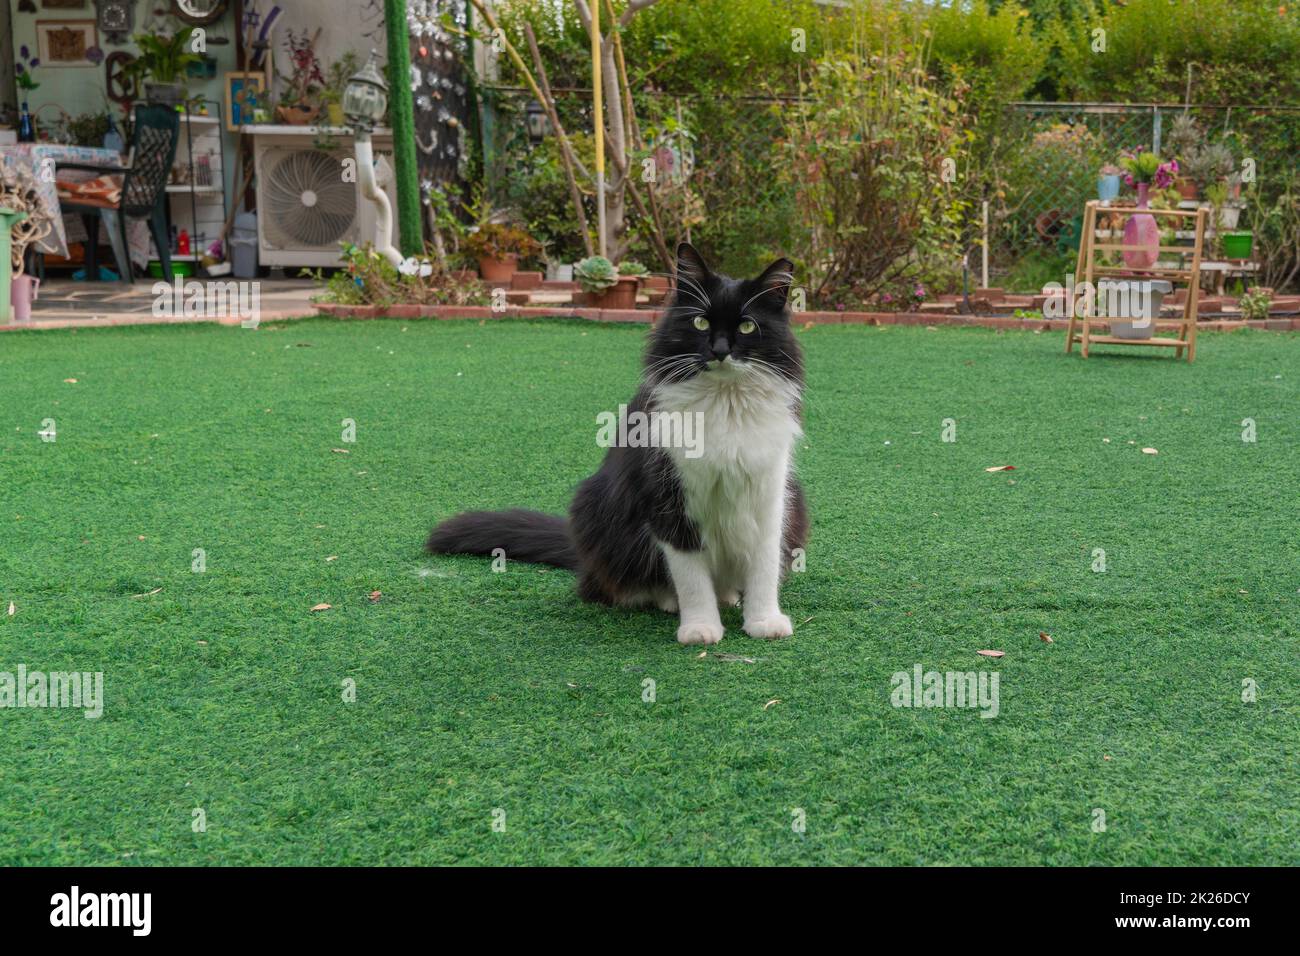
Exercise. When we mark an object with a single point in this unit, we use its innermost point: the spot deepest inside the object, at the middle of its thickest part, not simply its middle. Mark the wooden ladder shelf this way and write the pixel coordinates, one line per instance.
(1083, 327)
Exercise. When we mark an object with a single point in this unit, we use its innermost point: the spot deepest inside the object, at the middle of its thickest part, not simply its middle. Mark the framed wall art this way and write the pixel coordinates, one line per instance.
(67, 43)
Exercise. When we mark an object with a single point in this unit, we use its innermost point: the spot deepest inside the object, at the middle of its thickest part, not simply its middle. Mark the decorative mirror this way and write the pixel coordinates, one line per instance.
(199, 13)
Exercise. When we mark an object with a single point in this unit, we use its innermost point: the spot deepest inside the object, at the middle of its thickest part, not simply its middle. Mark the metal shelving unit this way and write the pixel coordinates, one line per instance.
(197, 197)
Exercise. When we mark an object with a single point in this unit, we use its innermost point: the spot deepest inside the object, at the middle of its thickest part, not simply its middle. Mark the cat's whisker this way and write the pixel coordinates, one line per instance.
(703, 302)
(695, 288)
(771, 288)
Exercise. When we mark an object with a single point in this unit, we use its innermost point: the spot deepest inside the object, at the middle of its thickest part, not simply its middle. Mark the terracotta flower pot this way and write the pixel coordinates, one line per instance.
(1187, 188)
(498, 270)
(297, 115)
(621, 295)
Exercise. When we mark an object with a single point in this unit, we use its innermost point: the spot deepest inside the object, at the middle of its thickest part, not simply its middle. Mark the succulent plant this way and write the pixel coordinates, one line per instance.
(1209, 164)
(630, 267)
(595, 275)
(1185, 137)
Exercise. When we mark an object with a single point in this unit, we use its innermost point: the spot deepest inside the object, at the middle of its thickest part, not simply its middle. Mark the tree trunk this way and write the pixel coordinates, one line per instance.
(616, 241)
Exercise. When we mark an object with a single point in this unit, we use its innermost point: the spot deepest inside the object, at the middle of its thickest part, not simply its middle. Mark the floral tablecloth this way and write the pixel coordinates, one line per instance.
(39, 160)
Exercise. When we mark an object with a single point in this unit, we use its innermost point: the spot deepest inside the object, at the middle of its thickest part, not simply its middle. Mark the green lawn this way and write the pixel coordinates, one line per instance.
(477, 691)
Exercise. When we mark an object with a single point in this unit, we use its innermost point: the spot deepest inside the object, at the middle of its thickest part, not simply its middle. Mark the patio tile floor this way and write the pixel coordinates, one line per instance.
(63, 303)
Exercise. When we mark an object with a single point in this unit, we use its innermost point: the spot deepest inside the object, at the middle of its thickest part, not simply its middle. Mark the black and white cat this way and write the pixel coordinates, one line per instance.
(682, 528)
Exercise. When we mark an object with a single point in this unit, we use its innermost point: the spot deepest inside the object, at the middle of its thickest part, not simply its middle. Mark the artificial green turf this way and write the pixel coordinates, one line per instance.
(478, 691)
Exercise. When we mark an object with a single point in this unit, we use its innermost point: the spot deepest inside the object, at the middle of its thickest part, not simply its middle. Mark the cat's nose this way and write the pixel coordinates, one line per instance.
(720, 348)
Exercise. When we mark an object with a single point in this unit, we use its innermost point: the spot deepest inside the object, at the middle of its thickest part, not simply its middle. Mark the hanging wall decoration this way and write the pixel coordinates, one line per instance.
(440, 91)
(66, 43)
(116, 19)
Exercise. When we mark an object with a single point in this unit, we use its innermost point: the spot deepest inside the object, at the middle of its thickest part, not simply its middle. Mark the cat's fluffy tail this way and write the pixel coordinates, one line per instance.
(523, 535)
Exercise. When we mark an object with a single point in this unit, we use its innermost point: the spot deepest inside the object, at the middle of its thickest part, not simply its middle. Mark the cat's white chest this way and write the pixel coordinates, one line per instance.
(747, 431)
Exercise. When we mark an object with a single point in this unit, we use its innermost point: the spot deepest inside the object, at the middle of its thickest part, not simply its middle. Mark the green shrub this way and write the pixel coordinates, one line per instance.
(866, 153)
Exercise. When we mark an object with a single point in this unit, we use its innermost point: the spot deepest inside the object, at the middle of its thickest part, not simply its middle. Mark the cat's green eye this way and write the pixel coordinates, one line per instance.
(701, 323)
(747, 327)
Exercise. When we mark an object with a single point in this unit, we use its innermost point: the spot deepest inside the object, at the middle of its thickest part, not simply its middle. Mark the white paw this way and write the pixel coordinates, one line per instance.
(776, 625)
(699, 633)
(729, 599)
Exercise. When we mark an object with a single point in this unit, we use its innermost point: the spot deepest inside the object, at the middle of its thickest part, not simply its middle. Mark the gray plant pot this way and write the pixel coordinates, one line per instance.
(1131, 294)
(163, 94)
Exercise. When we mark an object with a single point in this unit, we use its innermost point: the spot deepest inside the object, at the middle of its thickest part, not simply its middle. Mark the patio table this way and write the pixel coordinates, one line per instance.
(33, 158)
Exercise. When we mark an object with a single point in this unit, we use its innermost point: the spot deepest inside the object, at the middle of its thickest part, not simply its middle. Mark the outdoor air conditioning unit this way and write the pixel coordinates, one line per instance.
(306, 205)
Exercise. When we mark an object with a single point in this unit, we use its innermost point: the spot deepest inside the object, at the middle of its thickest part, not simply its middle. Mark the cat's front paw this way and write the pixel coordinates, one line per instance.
(699, 633)
(774, 625)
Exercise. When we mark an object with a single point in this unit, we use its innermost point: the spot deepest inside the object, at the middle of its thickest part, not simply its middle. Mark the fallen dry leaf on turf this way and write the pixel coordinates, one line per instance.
(774, 700)
(1149, 451)
(991, 653)
(12, 610)
(341, 451)
(70, 381)
(1045, 637)
(701, 655)
(375, 596)
(322, 607)
(1001, 468)
(147, 593)
(1105, 756)
(332, 557)
(735, 657)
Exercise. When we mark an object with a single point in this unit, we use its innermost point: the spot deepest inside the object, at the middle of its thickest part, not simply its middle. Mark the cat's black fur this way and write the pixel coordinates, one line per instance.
(635, 498)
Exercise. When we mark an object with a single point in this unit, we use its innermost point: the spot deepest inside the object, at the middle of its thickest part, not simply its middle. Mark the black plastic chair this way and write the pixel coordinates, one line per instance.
(144, 192)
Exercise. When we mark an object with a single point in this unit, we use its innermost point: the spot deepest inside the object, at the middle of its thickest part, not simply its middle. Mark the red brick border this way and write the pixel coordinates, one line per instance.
(803, 318)
(631, 316)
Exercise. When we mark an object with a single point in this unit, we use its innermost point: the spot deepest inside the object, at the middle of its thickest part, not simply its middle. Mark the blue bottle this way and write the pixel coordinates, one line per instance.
(26, 132)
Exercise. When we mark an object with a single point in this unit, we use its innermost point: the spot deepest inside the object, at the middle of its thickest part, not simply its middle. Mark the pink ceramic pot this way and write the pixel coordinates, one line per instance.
(1141, 230)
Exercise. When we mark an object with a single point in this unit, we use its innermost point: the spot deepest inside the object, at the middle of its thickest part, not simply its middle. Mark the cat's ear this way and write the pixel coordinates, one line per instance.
(775, 282)
(690, 263)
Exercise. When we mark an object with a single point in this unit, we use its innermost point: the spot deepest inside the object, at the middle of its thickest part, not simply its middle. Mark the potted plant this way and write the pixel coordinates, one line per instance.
(1224, 213)
(1142, 170)
(634, 270)
(1207, 166)
(498, 248)
(161, 64)
(1184, 139)
(336, 81)
(1108, 182)
(296, 107)
(604, 285)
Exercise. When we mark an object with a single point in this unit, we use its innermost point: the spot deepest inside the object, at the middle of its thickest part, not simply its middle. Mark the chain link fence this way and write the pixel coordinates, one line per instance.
(1045, 165)
(1036, 168)
(712, 159)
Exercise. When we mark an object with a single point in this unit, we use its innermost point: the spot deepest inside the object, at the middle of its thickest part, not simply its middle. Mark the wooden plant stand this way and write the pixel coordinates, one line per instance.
(1082, 327)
